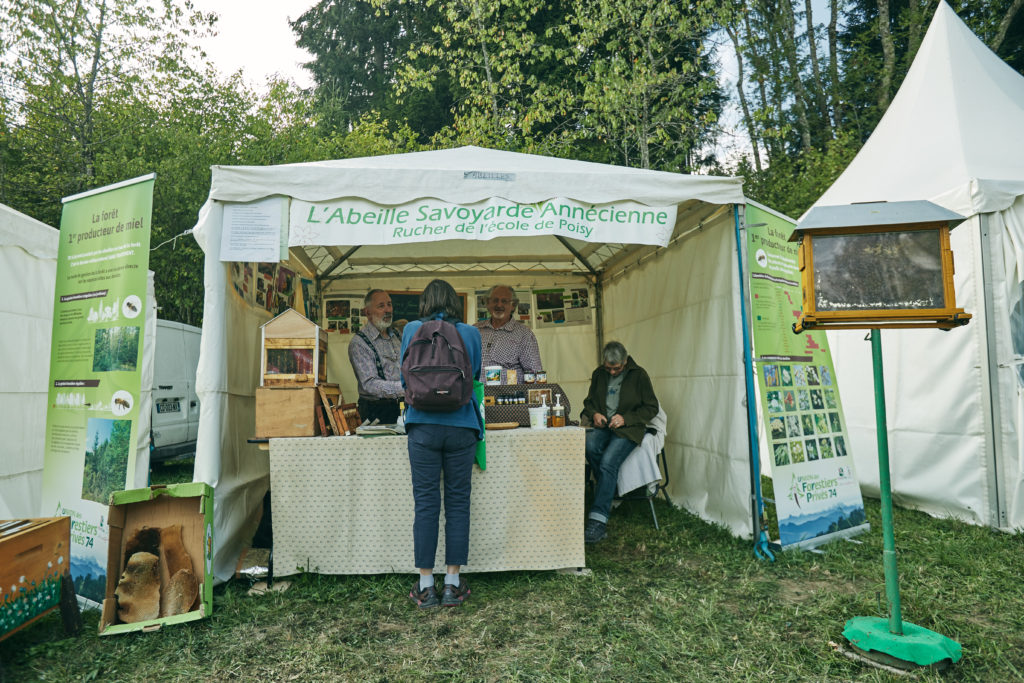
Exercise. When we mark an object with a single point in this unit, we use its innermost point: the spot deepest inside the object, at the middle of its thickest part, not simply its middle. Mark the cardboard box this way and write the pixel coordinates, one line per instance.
(289, 411)
(33, 558)
(188, 505)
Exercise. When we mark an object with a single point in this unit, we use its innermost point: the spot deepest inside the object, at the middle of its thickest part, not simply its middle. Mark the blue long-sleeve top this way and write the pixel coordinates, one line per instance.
(466, 416)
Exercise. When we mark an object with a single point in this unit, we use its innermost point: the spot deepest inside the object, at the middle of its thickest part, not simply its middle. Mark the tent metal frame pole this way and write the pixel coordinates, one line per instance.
(990, 379)
(761, 543)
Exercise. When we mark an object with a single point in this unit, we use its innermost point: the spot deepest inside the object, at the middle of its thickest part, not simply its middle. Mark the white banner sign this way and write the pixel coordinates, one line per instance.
(356, 221)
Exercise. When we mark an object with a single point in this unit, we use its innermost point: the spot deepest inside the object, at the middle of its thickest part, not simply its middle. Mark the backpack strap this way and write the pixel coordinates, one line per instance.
(376, 356)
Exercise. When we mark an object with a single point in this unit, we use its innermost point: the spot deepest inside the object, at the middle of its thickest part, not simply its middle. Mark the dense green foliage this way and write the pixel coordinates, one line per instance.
(99, 91)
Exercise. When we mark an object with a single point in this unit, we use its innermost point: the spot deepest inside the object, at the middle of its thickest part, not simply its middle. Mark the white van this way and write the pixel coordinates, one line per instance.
(175, 423)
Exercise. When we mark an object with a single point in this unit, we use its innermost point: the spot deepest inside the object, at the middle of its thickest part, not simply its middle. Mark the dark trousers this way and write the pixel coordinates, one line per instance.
(433, 449)
(606, 452)
(383, 409)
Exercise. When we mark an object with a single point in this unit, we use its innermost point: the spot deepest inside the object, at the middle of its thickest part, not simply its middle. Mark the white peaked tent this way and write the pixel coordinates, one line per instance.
(28, 267)
(954, 134)
(676, 307)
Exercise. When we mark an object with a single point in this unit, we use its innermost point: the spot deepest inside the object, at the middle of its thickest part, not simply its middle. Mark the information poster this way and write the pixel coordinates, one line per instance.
(562, 306)
(817, 496)
(95, 367)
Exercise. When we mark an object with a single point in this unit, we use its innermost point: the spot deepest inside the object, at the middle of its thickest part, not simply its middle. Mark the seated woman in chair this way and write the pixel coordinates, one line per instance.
(620, 403)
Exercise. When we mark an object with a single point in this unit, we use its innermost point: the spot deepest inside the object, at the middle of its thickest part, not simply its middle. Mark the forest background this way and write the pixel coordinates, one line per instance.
(97, 91)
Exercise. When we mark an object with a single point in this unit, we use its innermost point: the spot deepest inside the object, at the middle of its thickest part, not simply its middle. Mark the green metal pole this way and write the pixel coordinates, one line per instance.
(892, 581)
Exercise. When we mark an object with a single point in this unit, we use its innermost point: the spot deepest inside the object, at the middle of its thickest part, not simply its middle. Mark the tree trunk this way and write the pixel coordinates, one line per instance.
(492, 91)
(812, 48)
(888, 55)
(917, 11)
(749, 122)
(757, 62)
(1004, 25)
(799, 92)
(833, 63)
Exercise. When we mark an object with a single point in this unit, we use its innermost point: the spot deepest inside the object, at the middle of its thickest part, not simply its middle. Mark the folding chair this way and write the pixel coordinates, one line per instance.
(650, 491)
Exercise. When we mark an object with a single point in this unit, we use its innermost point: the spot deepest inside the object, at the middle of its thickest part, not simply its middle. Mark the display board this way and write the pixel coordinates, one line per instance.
(817, 496)
(99, 318)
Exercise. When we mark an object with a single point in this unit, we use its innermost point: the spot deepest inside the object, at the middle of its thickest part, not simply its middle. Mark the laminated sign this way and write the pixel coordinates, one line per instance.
(817, 496)
(99, 319)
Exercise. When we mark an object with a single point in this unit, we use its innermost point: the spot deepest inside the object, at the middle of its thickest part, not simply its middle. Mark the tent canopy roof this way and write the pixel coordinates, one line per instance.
(952, 133)
(467, 175)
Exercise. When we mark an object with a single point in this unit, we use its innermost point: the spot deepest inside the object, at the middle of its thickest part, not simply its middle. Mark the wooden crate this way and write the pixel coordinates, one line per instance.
(35, 572)
(289, 411)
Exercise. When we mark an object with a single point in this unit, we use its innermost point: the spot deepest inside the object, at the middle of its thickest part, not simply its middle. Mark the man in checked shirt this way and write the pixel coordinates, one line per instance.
(373, 353)
(507, 342)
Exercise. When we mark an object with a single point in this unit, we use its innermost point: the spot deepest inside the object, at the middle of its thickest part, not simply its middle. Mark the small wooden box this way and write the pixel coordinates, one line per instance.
(34, 555)
(294, 352)
(289, 411)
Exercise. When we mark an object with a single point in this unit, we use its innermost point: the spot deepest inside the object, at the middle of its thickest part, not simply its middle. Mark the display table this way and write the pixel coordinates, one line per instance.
(343, 505)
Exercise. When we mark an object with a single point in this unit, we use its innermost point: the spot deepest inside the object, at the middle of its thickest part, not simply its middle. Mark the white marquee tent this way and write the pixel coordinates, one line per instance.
(28, 266)
(954, 135)
(676, 307)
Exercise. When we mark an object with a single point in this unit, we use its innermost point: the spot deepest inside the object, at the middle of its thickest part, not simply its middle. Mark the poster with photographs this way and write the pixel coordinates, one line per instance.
(562, 306)
(309, 301)
(242, 281)
(343, 314)
(287, 289)
(817, 496)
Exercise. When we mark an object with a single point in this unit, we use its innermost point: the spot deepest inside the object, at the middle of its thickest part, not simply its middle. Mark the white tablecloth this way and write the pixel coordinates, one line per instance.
(343, 505)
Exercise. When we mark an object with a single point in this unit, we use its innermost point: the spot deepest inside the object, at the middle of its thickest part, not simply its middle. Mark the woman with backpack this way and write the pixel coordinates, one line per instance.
(441, 437)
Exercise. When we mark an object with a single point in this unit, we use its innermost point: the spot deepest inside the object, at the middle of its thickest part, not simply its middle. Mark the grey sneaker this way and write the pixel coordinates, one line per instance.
(453, 596)
(594, 531)
(426, 598)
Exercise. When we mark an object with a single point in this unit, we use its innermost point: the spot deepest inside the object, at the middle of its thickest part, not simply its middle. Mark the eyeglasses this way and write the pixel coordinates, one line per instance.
(502, 301)
(614, 369)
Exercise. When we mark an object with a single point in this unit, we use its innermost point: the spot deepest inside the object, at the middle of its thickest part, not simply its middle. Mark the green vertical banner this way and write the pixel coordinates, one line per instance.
(99, 318)
(817, 497)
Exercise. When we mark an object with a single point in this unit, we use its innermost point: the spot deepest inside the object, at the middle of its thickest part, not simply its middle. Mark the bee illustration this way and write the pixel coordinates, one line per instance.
(120, 402)
(131, 307)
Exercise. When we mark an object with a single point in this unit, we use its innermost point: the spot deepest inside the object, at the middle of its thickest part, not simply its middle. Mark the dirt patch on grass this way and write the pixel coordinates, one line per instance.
(791, 590)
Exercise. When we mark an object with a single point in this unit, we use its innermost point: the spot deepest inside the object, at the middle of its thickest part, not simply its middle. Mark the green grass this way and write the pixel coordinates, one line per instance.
(687, 603)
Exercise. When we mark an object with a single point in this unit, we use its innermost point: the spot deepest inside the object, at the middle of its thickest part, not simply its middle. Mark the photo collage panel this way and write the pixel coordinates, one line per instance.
(803, 413)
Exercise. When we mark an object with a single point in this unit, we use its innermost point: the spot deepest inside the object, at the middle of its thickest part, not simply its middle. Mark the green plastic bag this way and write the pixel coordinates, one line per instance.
(481, 445)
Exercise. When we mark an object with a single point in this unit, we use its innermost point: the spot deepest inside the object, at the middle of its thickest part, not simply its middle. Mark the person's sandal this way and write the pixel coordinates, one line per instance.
(424, 599)
(453, 596)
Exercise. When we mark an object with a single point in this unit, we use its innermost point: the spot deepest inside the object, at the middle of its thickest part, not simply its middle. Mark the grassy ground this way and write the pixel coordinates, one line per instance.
(687, 603)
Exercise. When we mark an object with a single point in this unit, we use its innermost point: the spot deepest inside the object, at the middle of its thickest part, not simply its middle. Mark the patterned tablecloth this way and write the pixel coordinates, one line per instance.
(343, 505)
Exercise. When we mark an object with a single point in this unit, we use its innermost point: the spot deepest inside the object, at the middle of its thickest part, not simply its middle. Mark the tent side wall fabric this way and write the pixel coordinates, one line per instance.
(678, 315)
(28, 265)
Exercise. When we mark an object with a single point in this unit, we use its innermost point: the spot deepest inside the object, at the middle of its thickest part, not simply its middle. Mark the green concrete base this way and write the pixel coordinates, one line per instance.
(917, 645)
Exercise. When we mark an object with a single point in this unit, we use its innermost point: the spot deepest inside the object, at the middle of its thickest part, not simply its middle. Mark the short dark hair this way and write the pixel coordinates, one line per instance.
(440, 297)
(614, 353)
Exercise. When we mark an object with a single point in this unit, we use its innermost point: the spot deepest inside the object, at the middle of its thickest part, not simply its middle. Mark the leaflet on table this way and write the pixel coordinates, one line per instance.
(817, 496)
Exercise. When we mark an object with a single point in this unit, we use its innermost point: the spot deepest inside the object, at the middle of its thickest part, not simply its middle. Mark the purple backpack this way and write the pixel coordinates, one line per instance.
(438, 378)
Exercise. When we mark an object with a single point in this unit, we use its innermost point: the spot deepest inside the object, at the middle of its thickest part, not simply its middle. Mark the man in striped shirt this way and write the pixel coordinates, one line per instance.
(507, 342)
(373, 353)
